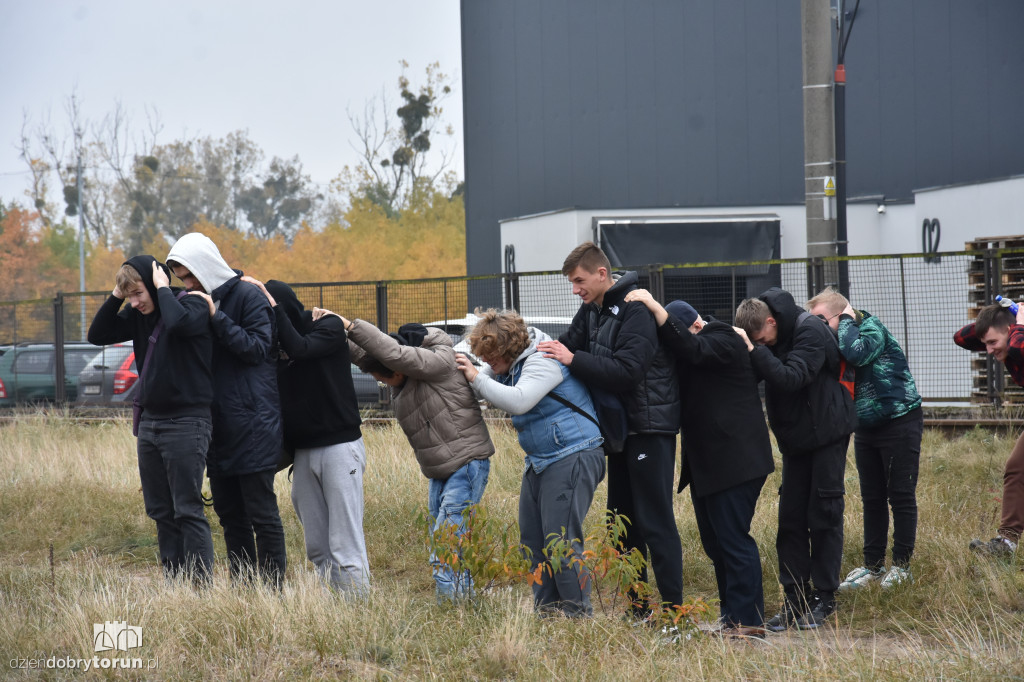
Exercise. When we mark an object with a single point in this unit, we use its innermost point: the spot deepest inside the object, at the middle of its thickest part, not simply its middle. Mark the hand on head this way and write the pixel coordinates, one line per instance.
(322, 312)
(160, 278)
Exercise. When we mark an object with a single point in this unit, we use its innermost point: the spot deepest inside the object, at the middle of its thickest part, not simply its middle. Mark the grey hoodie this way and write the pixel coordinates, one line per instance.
(200, 255)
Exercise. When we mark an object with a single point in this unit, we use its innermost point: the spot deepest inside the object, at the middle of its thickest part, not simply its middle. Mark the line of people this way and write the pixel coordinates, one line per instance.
(243, 369)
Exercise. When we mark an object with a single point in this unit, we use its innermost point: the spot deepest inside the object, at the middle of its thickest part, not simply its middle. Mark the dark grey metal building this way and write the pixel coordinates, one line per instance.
(660, 103)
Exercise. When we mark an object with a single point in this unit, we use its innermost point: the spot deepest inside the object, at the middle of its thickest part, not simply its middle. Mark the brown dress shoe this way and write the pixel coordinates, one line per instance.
(743, 632)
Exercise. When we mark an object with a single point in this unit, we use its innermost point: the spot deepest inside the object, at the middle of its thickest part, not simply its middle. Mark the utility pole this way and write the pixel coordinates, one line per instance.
(819, 139)
(81, 244)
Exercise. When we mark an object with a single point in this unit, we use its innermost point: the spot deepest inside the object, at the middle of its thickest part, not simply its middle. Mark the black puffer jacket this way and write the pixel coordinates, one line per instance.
(616, 348)
(807, 406)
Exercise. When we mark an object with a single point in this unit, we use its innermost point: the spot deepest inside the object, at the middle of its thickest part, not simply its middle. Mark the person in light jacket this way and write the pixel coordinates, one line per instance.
(440, 416)
(553, 415)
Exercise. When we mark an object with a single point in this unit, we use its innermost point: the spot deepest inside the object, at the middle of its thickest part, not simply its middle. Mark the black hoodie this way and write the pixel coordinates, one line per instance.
(314, 375)
(807, 406)
(178, 381)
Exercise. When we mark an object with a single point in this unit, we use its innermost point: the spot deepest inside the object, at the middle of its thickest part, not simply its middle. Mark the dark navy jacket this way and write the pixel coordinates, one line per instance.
(246, 409)
(725, 437)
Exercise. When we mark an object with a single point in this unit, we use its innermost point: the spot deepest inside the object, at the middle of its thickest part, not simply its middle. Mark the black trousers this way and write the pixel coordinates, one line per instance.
(811, 505)
(640, 483)
(887, 462)
(723, 520)
(253, 534)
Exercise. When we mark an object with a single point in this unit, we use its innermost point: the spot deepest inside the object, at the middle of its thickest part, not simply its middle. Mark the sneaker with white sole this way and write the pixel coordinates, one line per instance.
(998, 547)
(861, 576)
(896, 576)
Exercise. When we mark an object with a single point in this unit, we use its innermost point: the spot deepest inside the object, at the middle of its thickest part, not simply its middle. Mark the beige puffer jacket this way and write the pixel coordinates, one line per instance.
(435, 407)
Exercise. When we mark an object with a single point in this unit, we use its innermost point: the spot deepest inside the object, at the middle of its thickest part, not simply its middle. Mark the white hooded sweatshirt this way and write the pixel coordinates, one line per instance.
(200, 255)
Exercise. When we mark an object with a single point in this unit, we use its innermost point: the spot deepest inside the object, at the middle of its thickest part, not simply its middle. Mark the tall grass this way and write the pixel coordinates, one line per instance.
(75, 487)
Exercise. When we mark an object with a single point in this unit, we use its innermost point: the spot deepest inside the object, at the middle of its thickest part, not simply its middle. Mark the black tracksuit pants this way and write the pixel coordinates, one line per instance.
(640, 487)
(811, 505)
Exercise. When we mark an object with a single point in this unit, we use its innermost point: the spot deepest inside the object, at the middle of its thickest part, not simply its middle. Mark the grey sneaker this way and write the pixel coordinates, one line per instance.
(861, 576)
(997, 547)
(896, 576)
(785, 618)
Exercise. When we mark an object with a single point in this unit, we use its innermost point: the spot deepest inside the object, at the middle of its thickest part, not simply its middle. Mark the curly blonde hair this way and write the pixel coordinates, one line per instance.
(502, 333)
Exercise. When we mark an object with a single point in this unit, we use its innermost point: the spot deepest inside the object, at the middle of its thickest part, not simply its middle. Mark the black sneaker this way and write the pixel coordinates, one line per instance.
(822, 607)
(784, 619)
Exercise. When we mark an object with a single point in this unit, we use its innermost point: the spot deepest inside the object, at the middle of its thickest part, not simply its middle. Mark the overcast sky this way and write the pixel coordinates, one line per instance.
(284, 71)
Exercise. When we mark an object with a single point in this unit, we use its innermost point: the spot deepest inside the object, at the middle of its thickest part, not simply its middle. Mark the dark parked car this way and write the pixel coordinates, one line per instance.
(367, 390)
(27, 372)
(110, 376)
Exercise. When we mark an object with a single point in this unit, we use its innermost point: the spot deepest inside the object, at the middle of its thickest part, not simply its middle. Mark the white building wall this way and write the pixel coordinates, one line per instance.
(964, 212)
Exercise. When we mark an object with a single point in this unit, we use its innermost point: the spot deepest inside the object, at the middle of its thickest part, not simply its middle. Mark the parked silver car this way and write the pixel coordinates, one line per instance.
(110, 377)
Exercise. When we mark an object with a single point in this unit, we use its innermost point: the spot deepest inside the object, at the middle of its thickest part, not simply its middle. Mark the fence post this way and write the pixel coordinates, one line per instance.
(656, 273)
(512, 291)
(60, 392)
(996, 368)
(382, 306)
(906, 322)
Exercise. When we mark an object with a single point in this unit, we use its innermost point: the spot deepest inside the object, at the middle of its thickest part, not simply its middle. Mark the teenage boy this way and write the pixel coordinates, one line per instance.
(246, 444)
(440, 416)
(812, 416)
(726, 453)
(173, 347)
(1000, 333)
(612, 346)
(321, 424)
(887, 442)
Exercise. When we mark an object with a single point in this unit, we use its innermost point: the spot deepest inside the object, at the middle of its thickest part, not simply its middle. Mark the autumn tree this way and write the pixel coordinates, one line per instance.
(395, 144)
(277, 206)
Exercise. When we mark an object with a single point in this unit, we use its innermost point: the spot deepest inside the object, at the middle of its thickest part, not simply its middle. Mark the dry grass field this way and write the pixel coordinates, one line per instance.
(74, 487)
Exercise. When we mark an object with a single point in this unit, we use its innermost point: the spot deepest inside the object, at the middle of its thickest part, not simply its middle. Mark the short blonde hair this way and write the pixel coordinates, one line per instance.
(127, 277)
(751, 314)
(834, 301)
(502, 333)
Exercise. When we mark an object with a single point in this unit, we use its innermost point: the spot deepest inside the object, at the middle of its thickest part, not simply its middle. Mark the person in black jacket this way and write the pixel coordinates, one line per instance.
(812, 416)
(247, 442)
(612, 347)
(174, 395)
(321, 424)
(727, 455)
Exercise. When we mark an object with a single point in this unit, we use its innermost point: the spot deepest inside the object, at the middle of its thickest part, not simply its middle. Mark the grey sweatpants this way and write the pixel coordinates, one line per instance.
(556, 501)
(327, 492)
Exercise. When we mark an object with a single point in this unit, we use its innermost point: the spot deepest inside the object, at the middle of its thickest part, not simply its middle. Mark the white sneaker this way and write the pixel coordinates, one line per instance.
(861, 576)
(896, 576)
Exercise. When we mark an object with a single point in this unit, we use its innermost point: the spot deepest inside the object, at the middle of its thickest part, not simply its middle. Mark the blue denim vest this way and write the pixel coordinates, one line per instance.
(552, 431)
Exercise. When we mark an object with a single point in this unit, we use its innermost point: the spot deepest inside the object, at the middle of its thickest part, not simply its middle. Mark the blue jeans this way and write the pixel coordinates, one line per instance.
(172, 456)
(447, 501)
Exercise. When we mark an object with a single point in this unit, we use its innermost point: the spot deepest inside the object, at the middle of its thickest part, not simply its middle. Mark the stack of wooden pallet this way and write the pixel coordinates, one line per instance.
(990, 274)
